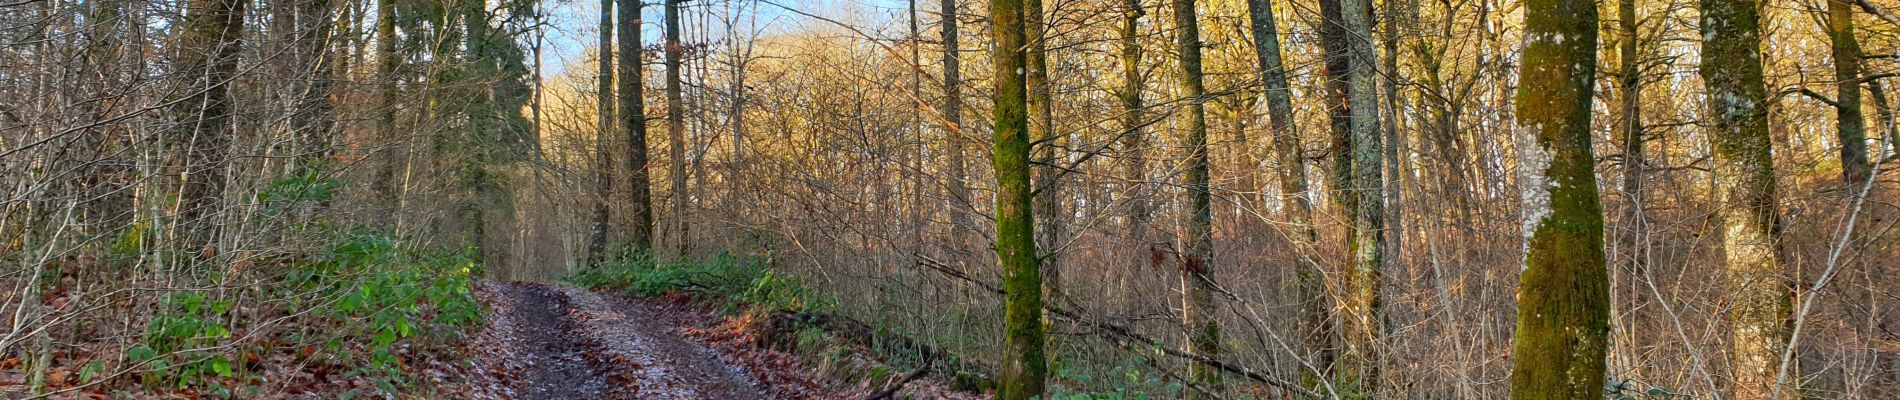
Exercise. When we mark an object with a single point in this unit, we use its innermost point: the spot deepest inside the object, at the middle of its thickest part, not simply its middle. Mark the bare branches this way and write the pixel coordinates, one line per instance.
(1128, 338)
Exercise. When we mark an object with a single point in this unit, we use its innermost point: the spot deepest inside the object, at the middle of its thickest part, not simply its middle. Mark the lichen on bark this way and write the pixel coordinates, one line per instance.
(1761, 294)
(1563, 293)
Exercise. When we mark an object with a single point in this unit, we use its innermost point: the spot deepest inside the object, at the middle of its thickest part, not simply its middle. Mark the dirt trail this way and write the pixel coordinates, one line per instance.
(561, 342)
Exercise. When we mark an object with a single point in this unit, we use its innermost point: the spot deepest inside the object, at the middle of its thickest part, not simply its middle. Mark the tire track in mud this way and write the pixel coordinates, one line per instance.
(561, 342)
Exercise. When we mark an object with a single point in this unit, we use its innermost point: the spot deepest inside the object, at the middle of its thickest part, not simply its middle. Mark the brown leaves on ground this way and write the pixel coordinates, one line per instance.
(741, 340)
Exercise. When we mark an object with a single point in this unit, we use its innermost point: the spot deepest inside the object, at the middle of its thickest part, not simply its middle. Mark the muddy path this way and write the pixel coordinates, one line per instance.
(559, 342)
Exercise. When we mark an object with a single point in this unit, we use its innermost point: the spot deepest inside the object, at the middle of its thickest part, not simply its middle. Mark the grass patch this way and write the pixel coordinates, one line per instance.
(735, 282)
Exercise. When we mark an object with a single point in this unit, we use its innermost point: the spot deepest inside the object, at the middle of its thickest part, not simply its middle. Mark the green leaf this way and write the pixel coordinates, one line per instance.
(91, 370)
(140, 353)
(221, 366)
(384, 338)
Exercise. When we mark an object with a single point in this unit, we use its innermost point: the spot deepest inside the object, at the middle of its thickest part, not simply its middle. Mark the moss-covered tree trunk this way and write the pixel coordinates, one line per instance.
(208, 57)
(1025, 367)
(1198, 308)
(1315, 324)
(1761, 293)
(1365, 269)
(1563, 294)
(603, 129)
(633, 122)
(1852, 126)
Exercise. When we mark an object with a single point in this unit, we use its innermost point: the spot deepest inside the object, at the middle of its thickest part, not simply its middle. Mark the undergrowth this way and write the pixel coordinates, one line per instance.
(734, 282)
(340, 311)
(353, 307)
(741, 285)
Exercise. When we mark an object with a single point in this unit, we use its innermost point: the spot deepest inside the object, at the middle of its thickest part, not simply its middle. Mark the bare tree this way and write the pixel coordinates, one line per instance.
(1198, 308)
(1316, 325)
(1737, 97)
(633, 121)
(603, 129)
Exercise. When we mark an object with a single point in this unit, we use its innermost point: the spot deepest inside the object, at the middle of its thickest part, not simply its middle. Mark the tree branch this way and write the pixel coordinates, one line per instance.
(1128, 338)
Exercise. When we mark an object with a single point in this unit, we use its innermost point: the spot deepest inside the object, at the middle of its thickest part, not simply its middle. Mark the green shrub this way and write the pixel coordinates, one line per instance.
(185, 321)
(369, 293)
(392, 292)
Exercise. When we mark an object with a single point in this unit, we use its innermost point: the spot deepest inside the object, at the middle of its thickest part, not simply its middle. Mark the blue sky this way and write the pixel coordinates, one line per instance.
(573, 24)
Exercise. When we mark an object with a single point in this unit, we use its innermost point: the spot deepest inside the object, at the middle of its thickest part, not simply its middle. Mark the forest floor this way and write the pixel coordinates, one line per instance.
(550, 341)
(537, 341)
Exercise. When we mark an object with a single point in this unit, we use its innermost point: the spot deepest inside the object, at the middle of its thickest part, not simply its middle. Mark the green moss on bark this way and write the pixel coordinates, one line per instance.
(1563, 294)
(1025, 367)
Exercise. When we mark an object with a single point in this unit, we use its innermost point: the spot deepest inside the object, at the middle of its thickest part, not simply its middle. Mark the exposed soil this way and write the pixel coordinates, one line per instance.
(559, 342)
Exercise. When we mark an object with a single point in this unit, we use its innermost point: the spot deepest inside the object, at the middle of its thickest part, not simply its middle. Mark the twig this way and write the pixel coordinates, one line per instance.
(1827, 275)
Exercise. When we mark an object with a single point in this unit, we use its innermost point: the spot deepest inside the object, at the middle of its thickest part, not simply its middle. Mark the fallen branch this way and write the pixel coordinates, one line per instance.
(1128, 339)
(783, 323)
(886, 393)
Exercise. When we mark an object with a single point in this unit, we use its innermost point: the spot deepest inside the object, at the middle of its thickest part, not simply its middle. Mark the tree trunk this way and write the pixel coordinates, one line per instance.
(1315, 324)
(1563, 293)
(1443, 135)
(633, 122)
(953, 127)
(1132, 140)
(1887, 120)
(676, 124)
(1042, 132)
(1737, 99)
(1855, 168)
(1634, 240)
(311, 116)
(1389, 79)
(603, 129)
(1024, 366)
(1198, 308)
(208, 56)
(1338, 65)
(913, 213)
(387, 180)
(1366, 245)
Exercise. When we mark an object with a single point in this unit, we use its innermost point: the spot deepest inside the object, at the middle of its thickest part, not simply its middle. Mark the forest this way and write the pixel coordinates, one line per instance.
(949, 199)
